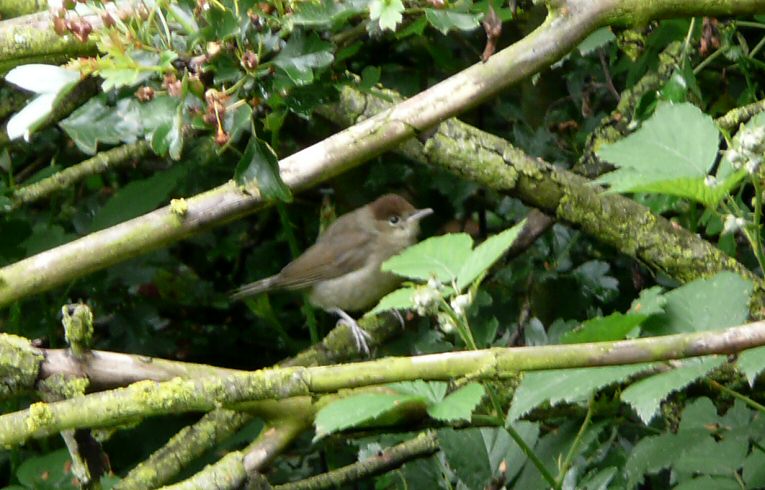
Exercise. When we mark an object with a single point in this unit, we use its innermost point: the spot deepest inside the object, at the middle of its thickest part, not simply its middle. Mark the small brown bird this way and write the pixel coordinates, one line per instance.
(341, 271)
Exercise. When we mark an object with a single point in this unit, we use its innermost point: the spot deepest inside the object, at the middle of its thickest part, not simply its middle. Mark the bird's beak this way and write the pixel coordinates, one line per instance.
(419, 214)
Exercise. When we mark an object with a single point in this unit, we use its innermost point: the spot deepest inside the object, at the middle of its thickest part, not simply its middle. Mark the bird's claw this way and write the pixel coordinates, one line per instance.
(360, 336)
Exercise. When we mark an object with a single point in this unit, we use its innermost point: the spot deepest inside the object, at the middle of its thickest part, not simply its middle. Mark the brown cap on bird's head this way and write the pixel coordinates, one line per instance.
(390, 205)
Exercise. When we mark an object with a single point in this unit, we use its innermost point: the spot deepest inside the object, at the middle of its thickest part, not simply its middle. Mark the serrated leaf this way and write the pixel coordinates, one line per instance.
(650, 302)
(653, 454)
(440, 257)
(137, 198)
(458, 405)
(475, 455)
(95, 122)
(400, 299)
(388, 13)
(595, 40)
(356, 410)
(446, 20)
(671, 152)
(433, 391)
(713, 457)
(751, 362)
(615, 326)
(566, 385)
(646, 395)
(301, 55)
(705, 304)
(260, 166)
(485, 254)
(42, 79)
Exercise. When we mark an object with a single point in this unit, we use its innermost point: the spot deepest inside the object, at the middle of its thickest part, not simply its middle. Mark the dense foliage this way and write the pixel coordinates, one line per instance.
(205, 91)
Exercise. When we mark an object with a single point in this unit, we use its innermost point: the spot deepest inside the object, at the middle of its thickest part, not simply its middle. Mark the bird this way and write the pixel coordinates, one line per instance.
(341, 271)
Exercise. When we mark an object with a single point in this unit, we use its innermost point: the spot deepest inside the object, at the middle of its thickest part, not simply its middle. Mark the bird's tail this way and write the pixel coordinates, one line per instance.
(253, 288)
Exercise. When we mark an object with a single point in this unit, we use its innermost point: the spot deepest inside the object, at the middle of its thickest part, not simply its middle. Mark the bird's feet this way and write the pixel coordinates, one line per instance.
(398, 316)
(360, 336)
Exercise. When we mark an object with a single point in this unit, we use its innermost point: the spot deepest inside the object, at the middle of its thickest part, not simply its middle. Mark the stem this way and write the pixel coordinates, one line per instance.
(575, 446)
(462, 328)
(747, 23)
(758, 252)
(736, 394)
(531, 455)
(687, 41)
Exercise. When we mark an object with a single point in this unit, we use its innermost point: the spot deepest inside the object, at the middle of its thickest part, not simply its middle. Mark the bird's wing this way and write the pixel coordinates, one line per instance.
(326, 259)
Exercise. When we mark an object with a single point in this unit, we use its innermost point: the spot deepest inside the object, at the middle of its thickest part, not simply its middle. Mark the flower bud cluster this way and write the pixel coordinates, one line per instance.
(426, 298)
(461, 303)
(748, 149)
(732, 224)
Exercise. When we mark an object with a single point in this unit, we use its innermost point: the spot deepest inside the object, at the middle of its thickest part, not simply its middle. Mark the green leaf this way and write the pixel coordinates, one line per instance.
(324, 13)
(751, 362)
(260, 166)
(566, 385)
(239, 120)
(440, 257)
(709, 483)
(303, 54)
(705, 304)
(158, 111)
(433, 391)
(485, 254)
(650, 302)
(671, 153)
(597, 39)
(600, 480)
(653, 454)
(475, 455)
(754, 470)
(47, 472)
(458, 405)
(356, 410)
(388, 13)
(167, 139)
(646, 395)
(400, 299)
(594, 278)
(446, 20)
(615, 326)
(42, 79)
(95, 122)
(713, 457)
(137, 198)
(516, 457)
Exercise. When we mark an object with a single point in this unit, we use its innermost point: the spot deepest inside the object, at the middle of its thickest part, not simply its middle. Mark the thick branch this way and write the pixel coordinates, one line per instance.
(149, 398)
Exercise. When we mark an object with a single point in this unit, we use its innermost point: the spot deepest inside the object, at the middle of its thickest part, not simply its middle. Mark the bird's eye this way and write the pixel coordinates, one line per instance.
(393, 220)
